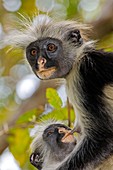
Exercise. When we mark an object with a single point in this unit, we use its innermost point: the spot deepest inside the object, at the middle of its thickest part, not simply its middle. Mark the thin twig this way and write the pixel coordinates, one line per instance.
(6, 129)
(69, 112)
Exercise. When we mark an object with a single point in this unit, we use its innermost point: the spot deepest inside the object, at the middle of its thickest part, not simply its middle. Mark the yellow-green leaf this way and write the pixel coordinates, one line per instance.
(19, 142)
(53, 98)
(28, 116)
(59, 114)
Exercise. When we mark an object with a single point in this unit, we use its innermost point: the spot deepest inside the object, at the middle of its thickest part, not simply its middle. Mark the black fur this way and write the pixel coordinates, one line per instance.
(96, 71)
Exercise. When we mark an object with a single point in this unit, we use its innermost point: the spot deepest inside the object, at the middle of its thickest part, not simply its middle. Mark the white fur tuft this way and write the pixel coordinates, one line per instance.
(41, 26)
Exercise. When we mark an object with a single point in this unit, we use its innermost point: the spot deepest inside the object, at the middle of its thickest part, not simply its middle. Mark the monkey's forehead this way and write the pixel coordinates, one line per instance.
(32, 32)
(58, 125)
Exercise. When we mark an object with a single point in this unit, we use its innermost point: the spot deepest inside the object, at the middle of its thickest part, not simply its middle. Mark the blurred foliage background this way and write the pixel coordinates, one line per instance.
(24, 99)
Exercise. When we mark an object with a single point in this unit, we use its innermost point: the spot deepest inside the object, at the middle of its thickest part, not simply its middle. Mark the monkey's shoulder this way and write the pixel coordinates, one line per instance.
(100, 56)
(97, 65)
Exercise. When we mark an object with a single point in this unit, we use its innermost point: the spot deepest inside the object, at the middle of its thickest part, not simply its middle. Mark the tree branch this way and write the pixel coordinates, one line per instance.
(36, 101)
(104, 24)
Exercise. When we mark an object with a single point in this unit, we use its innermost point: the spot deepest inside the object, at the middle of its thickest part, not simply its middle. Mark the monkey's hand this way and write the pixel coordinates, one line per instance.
(36, 160)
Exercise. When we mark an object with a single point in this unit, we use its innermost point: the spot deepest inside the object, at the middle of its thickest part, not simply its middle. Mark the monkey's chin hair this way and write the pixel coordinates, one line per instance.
(51, 73)
(46, 73)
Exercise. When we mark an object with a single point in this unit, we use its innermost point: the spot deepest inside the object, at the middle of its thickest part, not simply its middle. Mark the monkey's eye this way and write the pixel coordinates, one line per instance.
(51, 47)
(33, 52)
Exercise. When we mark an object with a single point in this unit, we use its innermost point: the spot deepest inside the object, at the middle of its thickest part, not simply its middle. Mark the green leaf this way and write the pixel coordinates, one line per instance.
(72, 10)
(59, 114)
(29, 116)
(53, 98)
(19, 142)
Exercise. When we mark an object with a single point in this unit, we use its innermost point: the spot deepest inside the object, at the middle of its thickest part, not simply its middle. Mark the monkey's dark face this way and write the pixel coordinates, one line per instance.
(49, 59)
(43, 56)
(54, 134)
(58, 147)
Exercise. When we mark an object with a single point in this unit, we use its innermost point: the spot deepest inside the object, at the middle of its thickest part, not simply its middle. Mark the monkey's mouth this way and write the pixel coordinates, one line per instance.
(46, 73)
(68, 138)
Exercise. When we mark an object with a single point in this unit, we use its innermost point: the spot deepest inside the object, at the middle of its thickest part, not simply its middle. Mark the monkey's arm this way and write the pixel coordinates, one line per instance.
(85, 153)
(95, 75)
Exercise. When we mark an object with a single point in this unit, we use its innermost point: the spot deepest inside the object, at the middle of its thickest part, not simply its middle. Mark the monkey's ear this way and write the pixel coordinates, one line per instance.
(75, 37)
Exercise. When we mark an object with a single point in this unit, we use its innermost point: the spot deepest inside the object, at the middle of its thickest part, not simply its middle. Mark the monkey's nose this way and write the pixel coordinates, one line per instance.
(42, 61)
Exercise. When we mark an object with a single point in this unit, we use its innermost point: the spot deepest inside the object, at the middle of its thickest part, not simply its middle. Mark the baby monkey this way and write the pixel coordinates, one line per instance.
(52, 146)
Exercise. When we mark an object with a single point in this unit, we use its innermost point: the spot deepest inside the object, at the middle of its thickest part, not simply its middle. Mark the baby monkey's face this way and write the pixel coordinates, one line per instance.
(57, 134)
(50, 57)
(57, 142)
